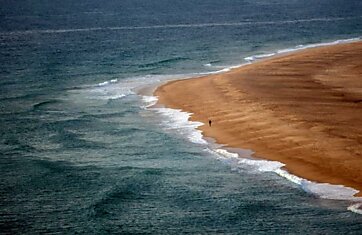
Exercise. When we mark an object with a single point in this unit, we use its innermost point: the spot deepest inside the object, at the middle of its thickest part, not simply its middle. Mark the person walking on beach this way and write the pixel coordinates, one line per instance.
(209, 122)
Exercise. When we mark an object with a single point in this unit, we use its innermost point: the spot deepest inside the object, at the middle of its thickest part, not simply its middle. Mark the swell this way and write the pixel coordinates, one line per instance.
(44, 104)
(136, 184)
(163, 62)
(170, 26)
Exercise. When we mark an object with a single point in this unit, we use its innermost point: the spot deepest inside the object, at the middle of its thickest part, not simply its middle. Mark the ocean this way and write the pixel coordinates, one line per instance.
(83, 151)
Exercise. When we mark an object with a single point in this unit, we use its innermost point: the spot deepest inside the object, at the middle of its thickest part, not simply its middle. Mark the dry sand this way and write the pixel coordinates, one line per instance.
(303, 109)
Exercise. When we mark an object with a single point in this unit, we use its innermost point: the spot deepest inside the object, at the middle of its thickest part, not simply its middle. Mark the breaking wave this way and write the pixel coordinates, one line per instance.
(298, 48)
(178, 121)
(321, 190)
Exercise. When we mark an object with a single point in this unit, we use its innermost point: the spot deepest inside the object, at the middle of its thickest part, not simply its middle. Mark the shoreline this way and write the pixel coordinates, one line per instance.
(258, 115)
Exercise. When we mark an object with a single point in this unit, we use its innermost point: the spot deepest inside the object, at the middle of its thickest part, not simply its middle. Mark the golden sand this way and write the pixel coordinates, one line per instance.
(303, 109)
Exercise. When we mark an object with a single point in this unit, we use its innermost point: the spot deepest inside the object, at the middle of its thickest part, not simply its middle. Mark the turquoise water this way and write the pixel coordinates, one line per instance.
(80, 152)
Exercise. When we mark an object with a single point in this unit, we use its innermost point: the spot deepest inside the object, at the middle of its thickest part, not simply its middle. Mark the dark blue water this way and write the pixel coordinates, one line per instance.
(79, 153)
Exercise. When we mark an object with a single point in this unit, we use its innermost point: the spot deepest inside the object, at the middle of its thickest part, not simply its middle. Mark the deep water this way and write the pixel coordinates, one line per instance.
(80, 152)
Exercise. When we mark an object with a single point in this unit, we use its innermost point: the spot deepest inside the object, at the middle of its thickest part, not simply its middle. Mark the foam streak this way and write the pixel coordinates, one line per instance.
(51, 31)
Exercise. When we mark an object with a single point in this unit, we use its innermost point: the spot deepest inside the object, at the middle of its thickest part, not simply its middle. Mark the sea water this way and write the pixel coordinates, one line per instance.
(82, 151)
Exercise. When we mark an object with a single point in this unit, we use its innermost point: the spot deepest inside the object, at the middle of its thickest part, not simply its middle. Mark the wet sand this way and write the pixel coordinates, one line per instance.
(303, 109)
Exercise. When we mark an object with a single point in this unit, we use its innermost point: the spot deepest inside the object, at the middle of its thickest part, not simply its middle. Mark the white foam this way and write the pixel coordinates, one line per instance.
(177, 121)
(227, 154)
(288, 176)
(330, 191)
(356, 208)
(261, 165)
(322, 190)
(256, 57)
(223, 69)
(107, 82)
(149, 100)
(120, 96)
(108, 91)
(298, 48)
(120, 88)
(250, 59)
(103, 83)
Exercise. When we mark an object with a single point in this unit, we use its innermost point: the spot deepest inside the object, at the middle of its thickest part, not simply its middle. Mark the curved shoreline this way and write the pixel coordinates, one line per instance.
(278, 107)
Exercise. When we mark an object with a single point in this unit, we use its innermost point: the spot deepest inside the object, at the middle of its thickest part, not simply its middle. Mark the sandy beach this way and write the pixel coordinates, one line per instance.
(303, 109)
